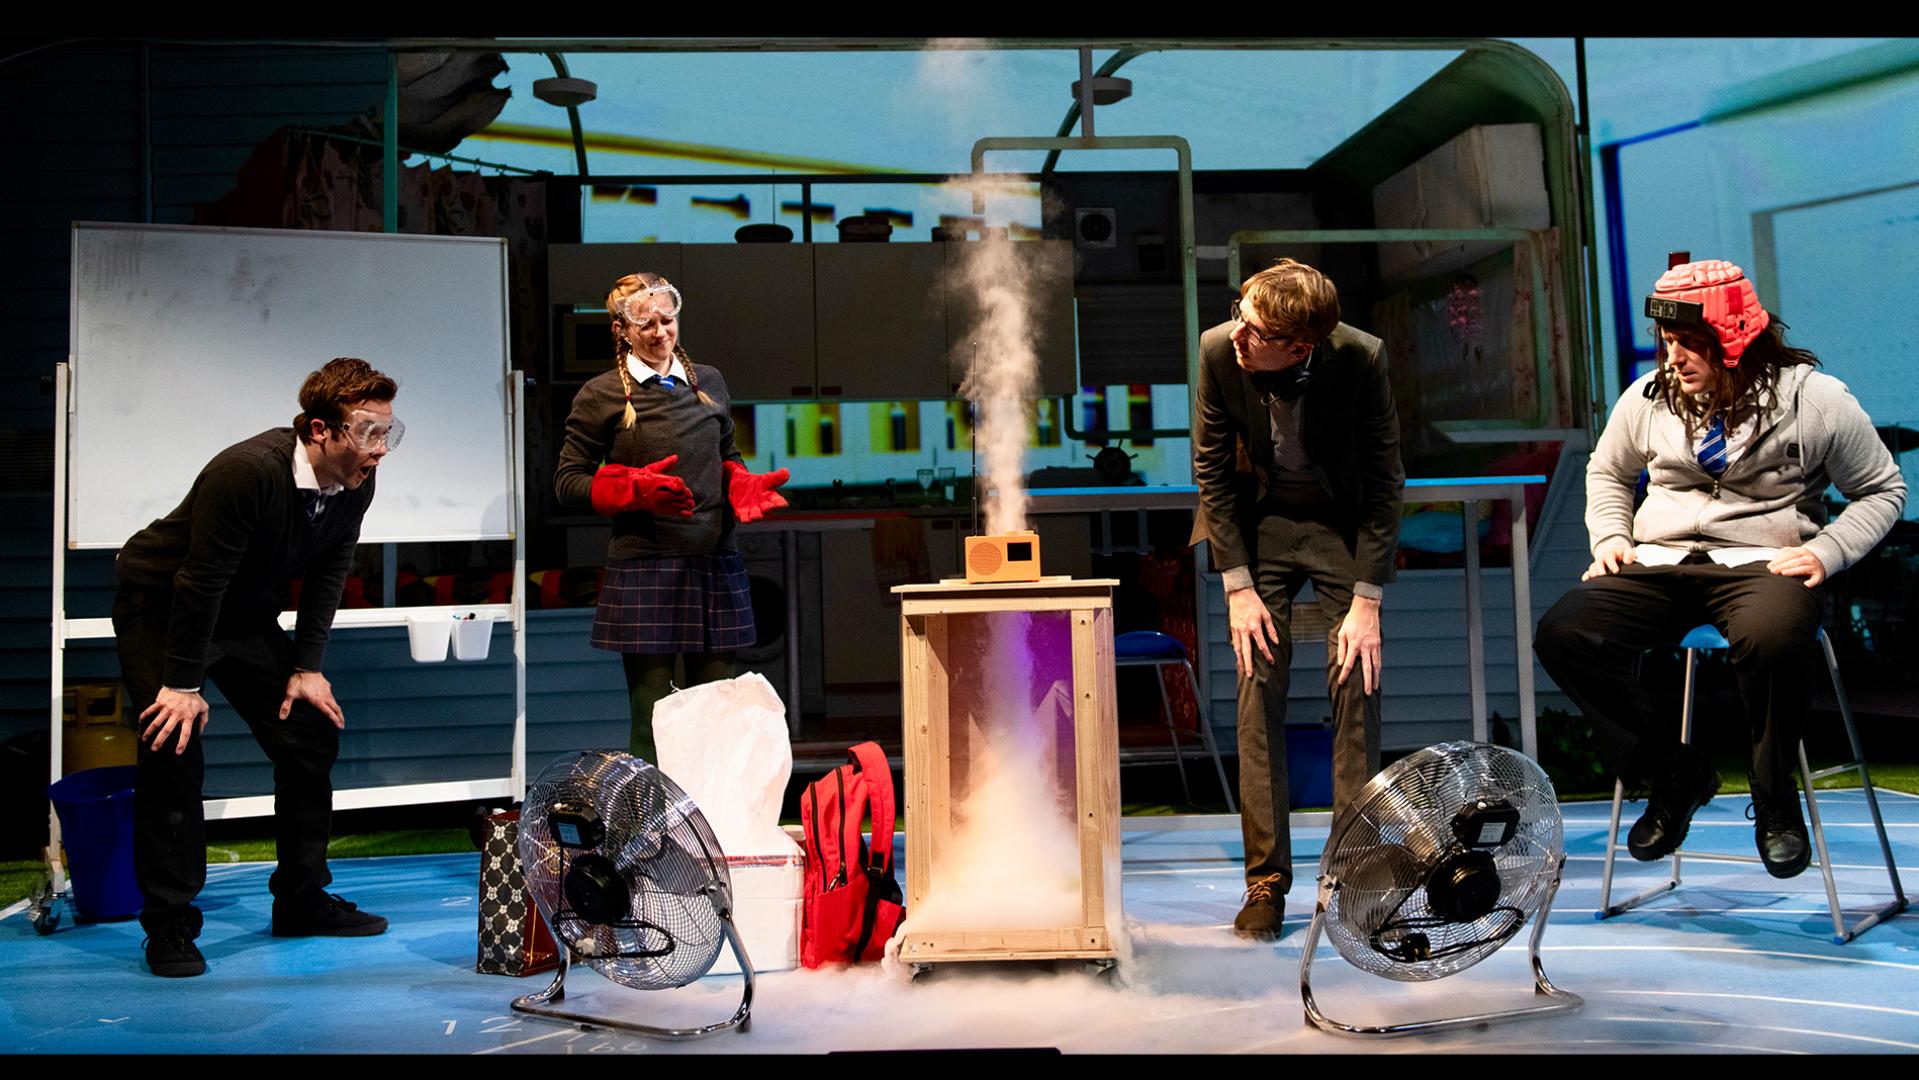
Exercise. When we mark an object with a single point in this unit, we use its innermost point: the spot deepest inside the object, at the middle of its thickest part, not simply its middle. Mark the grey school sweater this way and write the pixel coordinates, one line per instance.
(1771, 496)
(667, 423)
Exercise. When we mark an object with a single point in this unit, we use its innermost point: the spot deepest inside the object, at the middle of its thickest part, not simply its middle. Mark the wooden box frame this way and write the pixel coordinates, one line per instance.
(924, 610)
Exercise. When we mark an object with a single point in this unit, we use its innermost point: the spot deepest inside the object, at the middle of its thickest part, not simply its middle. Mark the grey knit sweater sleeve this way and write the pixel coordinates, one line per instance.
(1613, 470)
(1859, 465)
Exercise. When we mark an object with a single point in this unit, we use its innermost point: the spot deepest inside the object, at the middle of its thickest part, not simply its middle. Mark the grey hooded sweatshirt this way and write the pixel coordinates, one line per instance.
(1770, 496)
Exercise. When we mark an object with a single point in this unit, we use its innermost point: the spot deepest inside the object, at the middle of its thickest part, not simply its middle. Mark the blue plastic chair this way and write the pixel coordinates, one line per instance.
(1705, 639)
(1150, 648)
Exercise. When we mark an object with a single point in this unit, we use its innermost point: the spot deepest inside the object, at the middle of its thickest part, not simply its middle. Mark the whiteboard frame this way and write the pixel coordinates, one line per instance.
(512, 786)
(70, 436)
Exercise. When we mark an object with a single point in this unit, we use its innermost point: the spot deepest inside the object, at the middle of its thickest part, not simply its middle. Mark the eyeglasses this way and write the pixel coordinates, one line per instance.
(1263, 339)
(369, 435)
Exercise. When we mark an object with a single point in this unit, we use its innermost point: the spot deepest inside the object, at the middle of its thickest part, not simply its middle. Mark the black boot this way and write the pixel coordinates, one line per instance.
(1686, 783)
(1780, 833)
(171, 953)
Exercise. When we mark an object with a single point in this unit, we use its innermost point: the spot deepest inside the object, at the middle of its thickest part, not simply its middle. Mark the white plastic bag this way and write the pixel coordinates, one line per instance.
(725, 744)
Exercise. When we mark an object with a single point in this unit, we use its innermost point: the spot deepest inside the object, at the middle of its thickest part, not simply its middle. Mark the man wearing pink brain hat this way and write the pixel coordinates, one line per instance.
(1739, 438)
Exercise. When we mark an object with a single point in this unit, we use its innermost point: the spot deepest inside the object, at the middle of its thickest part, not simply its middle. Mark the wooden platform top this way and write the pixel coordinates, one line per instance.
(960, 586)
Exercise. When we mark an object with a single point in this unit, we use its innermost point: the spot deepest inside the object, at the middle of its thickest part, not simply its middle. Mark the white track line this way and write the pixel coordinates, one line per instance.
(1760, 997)
(1695, 912)
(15, 909)
(1758, 1027)
(1708, 858)
(1733, 952)
(523, 1042)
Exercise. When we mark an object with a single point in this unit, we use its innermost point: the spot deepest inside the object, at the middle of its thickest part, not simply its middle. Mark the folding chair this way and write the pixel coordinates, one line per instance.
(1150, 648)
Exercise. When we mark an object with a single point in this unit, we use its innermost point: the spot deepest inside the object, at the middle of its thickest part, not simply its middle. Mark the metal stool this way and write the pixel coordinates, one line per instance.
(1150, 648)
(1706, 637)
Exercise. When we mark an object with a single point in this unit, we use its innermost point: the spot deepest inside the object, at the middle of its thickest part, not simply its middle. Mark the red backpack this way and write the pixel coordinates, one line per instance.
(851, 905)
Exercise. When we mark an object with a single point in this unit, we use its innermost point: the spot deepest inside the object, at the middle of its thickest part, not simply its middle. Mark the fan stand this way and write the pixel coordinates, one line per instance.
(1562, 1001)
(540, 1004)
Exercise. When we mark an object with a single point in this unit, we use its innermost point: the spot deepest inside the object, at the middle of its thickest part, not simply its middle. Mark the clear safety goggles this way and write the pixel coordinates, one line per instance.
(657, 301)
(368, 434)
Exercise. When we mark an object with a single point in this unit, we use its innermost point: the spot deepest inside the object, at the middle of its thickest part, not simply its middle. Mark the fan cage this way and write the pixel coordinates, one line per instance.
(1383, 847)
(662, 848)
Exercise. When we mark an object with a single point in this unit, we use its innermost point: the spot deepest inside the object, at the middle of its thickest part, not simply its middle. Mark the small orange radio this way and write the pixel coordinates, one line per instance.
(1010, 556)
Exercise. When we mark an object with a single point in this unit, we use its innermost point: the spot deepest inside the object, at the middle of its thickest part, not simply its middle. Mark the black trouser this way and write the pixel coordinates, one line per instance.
(1590, 638)
(1289, 549)
(251, 668)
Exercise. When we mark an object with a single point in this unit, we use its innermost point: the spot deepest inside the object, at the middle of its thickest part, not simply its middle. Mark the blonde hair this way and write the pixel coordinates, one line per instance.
(1293, 300)
(622, 289)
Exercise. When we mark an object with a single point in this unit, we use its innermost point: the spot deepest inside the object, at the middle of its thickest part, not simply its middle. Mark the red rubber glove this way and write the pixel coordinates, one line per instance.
(752, 494)
(620, 488)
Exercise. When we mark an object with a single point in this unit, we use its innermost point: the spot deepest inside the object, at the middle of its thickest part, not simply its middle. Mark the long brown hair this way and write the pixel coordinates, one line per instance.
(622, 289)
(1734, 393)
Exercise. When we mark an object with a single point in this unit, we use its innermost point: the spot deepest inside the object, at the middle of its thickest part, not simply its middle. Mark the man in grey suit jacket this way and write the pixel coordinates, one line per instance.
(1296, 454)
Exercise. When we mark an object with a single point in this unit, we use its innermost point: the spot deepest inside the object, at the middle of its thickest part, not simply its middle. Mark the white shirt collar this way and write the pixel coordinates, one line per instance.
(637, 368)
(303, 475)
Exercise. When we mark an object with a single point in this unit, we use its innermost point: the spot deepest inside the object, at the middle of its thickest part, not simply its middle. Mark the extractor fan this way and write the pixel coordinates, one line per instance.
(626, 872)
(1440, 860)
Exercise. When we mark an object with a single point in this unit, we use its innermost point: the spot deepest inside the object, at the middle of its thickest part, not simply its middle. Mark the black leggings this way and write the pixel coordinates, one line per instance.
(649, 678)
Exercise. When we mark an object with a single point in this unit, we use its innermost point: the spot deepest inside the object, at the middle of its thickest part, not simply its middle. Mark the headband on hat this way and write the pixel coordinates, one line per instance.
(1715, 293)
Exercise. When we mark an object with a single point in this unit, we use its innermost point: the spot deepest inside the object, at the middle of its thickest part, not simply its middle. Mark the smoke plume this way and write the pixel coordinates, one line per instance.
(1002, 372)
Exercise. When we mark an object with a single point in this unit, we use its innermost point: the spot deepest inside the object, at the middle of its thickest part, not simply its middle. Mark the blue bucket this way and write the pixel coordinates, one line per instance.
(1309, 764)
(96, 828)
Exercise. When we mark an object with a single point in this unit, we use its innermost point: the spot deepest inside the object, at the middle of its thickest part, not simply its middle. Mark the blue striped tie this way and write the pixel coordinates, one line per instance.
(667, 381)
(1712, 446)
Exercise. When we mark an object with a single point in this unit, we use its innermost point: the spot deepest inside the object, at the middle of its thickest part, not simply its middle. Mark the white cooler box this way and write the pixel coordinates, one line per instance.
(766, 909)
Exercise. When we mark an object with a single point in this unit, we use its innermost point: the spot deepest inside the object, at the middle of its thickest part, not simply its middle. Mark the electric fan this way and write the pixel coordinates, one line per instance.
(1439, 861)
(631, 880)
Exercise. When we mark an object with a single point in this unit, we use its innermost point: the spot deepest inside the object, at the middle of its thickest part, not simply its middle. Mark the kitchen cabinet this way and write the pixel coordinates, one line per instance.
(882, 321)
(749, 312)
(1046, 269)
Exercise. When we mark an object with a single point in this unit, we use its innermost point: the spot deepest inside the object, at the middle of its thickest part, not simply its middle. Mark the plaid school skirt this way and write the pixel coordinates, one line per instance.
(675, 604)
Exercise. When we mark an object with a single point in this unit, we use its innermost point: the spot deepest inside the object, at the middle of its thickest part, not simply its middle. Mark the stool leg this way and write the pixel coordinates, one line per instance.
(1819, 843)
(1685, 732)
(1612, 849)
(1206, 736)
(1865, 777)
(1172, 728)
(1898, 904)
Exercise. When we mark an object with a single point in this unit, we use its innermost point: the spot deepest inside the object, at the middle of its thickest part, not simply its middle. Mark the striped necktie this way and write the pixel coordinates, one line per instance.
(1712, 446)
(667, 381)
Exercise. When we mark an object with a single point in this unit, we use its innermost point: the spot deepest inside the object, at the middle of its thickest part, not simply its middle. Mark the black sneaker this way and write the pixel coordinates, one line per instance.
(330, 916)
(171, 953)
(1264, 912)
(1687, 783)
(1780, 834)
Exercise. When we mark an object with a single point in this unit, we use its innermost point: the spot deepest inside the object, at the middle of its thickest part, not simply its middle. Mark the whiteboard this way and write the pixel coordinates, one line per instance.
(187, 340)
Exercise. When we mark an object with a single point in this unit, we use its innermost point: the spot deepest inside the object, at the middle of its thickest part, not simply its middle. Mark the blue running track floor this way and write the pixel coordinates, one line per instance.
(1735, 961)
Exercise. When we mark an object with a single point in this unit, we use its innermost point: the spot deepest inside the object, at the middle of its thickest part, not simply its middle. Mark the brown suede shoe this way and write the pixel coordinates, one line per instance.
(1264, 912)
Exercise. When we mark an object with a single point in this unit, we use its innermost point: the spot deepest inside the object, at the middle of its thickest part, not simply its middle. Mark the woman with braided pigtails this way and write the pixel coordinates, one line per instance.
(650, 446)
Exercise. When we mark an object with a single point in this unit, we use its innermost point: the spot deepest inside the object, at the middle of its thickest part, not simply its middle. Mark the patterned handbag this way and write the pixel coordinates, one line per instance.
(514, 940)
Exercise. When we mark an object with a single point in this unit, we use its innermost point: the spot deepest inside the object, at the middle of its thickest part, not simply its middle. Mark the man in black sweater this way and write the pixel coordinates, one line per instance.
(199, 598)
